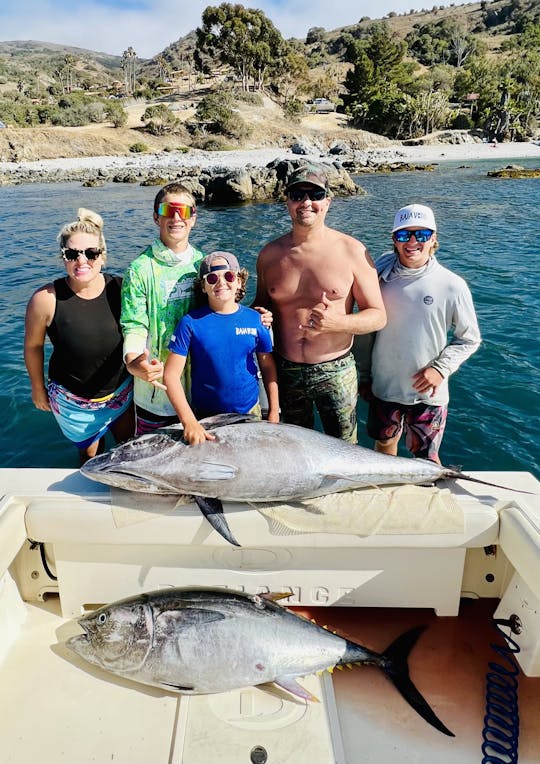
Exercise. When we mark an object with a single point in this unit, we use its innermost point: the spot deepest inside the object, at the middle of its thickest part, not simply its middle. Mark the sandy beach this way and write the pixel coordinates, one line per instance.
(439, 152)
(442, 152)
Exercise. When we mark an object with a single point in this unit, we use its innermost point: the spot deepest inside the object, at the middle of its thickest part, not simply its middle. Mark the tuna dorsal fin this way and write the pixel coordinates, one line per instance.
(221, 420)
(292, 686)
(276, 596)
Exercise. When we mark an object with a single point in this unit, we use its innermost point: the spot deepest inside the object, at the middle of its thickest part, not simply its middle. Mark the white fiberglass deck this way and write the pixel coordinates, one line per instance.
(56, 708)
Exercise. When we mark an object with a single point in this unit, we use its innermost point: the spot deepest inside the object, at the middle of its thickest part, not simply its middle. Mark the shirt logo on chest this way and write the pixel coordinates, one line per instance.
(428, 299)
(246, 330)
(178, 290)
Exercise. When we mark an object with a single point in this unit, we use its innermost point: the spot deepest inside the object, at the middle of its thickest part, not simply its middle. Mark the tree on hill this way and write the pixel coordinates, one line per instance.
(508, 104)
(129, 65)
(244, 39)
(379, 82)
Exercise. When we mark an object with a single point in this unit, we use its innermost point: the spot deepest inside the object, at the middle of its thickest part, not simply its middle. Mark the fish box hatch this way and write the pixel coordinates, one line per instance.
(260, 724)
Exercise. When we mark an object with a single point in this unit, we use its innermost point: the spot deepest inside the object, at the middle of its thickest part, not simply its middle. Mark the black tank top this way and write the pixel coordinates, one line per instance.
(87, 340)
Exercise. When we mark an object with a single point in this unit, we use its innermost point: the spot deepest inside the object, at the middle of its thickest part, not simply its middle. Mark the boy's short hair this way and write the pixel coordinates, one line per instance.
(172, 188)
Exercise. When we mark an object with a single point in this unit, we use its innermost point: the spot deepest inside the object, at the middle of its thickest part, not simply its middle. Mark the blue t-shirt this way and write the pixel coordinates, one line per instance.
(221, 347)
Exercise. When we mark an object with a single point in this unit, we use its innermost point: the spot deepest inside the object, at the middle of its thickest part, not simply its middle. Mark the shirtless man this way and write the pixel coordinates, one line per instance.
(311, 278)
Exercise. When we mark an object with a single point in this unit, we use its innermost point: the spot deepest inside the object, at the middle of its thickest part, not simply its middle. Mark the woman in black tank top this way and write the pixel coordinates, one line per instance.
(89, 390)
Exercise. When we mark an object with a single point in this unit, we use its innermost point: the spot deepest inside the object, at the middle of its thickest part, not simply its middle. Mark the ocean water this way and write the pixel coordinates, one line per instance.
(488, 231)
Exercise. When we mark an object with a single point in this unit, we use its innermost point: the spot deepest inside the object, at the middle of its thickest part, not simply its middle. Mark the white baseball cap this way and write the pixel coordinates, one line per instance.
(414, 215)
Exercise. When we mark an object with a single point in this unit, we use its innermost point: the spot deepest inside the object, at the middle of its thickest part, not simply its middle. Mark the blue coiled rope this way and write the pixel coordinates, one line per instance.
(501, 722)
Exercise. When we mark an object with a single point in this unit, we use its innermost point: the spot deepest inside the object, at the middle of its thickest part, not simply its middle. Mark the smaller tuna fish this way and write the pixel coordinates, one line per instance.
(200, 641)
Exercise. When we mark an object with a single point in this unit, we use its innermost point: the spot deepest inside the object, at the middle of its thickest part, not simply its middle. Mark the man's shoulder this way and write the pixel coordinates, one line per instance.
(277, 246)
(347, 242)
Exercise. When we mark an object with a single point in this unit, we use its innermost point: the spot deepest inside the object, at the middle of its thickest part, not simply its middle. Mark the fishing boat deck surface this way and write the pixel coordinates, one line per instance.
(56, 707)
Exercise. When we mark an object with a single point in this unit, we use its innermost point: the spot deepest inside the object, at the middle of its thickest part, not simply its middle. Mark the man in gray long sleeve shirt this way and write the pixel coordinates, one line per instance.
(412, 356)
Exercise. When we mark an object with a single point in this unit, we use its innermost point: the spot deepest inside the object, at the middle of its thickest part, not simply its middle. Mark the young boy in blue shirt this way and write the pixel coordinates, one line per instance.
(221, 338)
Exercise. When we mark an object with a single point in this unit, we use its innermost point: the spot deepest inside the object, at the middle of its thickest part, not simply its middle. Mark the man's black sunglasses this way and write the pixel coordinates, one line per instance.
(313, 194)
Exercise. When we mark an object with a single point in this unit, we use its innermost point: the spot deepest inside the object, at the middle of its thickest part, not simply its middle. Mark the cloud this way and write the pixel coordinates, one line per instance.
(110, 26)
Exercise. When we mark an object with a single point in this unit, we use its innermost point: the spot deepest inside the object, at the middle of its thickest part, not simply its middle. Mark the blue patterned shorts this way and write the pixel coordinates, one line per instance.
(83, 420)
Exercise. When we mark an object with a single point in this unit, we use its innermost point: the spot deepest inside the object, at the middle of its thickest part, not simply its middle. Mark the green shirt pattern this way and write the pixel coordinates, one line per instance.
(155, 296)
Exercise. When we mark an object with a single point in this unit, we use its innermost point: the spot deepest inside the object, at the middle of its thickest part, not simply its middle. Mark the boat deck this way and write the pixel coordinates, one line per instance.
(57, 708)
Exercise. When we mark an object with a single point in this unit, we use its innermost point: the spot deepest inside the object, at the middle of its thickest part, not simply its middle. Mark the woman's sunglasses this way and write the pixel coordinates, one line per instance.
(91, 253)
(213, 277)
(422, 235)
(169, 209)
(313, 194)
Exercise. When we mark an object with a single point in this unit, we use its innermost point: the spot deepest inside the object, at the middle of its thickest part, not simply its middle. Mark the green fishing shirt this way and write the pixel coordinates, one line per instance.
(157, 291)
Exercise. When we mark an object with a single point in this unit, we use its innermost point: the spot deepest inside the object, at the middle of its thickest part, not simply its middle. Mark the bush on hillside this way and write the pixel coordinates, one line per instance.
(159, 120)
(294, 110)
(116, 114)
(216, 115)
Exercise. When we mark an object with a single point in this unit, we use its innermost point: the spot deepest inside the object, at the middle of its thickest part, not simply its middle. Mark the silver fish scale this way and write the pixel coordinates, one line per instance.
(257, 461)
(210, 643)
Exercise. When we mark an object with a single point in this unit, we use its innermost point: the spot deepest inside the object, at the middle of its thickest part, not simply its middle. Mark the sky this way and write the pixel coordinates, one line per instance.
(149, 26)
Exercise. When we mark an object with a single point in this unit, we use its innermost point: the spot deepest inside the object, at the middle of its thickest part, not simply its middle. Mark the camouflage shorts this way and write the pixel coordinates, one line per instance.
(331, 387)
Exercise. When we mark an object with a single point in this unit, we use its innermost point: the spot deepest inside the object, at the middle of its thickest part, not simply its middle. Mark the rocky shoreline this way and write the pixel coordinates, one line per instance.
(213, 177)
(253, 174)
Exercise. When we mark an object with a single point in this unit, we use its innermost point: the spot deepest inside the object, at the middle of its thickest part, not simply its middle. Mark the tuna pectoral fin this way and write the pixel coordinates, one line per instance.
(292, 686)
(394, 664)
(212, 509)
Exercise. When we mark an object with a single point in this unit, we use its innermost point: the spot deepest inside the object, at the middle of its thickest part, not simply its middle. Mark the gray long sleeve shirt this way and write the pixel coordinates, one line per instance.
(431, 322)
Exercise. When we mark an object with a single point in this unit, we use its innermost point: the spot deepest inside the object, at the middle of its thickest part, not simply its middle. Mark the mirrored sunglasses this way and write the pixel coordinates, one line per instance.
(421, 236)
(169, 209)
(91, 253)
(313, 194)
(213, 277)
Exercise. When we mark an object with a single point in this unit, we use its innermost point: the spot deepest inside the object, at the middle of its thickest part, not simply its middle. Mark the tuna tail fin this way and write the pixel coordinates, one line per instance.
(395, 666)
(212, 509)
(459, 475)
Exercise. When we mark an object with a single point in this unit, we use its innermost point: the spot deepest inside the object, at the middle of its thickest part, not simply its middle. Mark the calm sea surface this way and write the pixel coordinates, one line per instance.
(488, 230)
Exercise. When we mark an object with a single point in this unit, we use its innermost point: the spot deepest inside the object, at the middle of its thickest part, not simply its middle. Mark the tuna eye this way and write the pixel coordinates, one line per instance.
(102, 618)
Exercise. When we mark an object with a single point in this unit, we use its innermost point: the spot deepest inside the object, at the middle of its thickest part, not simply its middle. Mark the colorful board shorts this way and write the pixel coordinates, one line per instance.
(331, 386)
(84, 420)
(424, 425)
(147, 422)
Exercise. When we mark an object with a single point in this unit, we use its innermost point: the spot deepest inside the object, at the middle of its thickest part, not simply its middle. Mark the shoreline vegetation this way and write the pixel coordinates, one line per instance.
(244, 166)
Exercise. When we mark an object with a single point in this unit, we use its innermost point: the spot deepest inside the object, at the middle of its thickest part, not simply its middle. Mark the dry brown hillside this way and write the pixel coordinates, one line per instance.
(269, 128)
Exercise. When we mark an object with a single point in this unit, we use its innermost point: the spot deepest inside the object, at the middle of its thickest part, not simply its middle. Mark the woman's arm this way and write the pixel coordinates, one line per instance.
(39, 314)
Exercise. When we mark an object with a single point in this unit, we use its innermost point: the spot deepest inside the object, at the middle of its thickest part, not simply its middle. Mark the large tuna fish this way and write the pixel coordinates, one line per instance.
(252, 461)
(204, 641)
